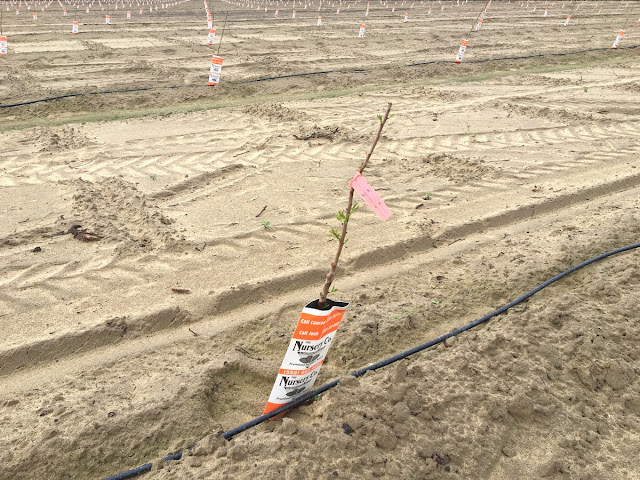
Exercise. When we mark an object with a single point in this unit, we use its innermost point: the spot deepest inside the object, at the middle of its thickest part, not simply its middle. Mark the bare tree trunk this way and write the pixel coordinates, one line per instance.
(341, 240)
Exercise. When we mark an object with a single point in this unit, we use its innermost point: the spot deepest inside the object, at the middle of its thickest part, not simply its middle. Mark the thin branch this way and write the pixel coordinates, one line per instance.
(222, 34)
(341, 241)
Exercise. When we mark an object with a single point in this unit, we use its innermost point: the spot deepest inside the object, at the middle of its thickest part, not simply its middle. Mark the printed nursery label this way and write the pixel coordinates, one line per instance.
(306, 353)
(3, 45)
(215, 70)
(370, 196)
(461, 50)
(618, 38)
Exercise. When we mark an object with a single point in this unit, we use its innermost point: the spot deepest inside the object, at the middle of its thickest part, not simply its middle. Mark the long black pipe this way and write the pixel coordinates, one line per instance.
(321, 72)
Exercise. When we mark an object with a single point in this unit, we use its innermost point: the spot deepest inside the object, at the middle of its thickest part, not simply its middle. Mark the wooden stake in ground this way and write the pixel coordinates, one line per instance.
(344, 216)
(224, 26)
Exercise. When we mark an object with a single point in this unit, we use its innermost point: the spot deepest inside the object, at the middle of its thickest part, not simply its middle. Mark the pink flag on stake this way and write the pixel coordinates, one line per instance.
(370, 197)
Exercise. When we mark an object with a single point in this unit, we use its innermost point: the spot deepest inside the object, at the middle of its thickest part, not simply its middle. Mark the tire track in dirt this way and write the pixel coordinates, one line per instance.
(29, 355)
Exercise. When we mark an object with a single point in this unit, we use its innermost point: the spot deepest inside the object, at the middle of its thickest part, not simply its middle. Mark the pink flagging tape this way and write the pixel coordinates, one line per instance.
(370, 196)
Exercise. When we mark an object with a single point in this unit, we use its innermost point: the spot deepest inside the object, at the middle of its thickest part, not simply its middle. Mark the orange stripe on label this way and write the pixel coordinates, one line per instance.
(312, 327)
(286, 371)
(271, 407)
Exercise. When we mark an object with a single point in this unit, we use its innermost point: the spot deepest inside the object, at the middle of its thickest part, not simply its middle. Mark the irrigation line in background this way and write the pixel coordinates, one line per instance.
(229, 434)
(321, 72)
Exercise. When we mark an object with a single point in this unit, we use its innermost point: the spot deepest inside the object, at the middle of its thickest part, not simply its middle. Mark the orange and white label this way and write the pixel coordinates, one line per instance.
(293, 15)
(306, 353)
(319, 21)
(4, 45)
(361, 32)
(211, 36)
(617, 40)
(64, 13)
(128, 15)
(75, 28)
(461, 50)
(107, 20)
(566, 22)
(216, 70)
(35, 16)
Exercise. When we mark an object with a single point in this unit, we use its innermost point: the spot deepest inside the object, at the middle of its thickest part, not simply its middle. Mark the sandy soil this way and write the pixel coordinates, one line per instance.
(499, 174)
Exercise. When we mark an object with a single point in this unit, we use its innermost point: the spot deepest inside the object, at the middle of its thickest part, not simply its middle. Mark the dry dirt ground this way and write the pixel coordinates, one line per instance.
(500, 172)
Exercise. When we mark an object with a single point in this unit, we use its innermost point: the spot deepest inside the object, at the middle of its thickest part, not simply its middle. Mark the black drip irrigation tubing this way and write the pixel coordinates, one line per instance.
(321, 72)
(229, 434)
(69, 95)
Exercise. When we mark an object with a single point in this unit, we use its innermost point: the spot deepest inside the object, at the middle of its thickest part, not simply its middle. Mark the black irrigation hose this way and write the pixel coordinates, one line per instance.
(69, 95)
(321, 72)
(229, 434)
(521, 57)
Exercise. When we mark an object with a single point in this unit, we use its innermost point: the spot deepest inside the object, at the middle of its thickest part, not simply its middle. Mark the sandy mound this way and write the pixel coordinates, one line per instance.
(549, 390)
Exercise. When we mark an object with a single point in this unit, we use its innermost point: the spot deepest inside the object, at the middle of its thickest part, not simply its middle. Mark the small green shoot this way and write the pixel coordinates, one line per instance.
(389, 117)
(586, 88)
(266, 224)
(333, 290)
(343, 218)
(427, 196)
(152, 177)
(435, 302)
